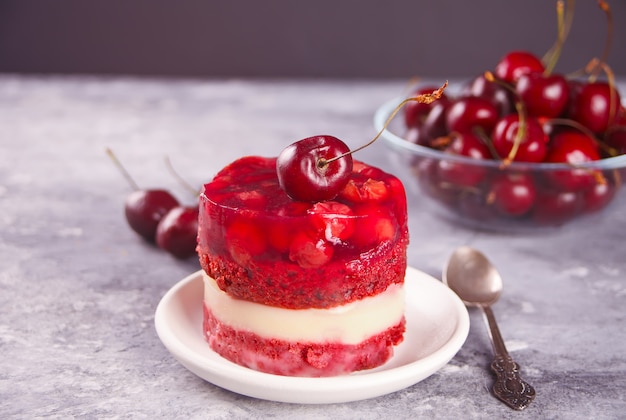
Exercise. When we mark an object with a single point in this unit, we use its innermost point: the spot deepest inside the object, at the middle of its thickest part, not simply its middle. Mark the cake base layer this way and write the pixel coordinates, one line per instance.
(282, 357)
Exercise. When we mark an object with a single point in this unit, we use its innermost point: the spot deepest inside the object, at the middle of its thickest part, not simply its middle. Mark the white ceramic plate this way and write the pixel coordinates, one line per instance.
(437, 326)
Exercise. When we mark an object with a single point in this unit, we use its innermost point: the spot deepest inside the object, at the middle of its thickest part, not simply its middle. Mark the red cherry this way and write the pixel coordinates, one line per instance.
(460, 173)
(574, 87)
(144, 209)
(573, 147)
(177, 232)
(426, 171)
(497, 94)
(596, 106)
(370, 190)
(599, 196)
(334, 220)
(470, 112)
(473, 205)
(304, 173)
(544, 96)
(309, 252)
(434, 124)
(373, 226)
(415, 112)
(616, 138)
(417, 135)
(556, 207)
(244, 240)
(517, 63)
(532, 147)
(513, 194)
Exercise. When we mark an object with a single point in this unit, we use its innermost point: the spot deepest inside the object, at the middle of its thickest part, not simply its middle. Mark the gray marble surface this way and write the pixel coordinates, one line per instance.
(78, 289)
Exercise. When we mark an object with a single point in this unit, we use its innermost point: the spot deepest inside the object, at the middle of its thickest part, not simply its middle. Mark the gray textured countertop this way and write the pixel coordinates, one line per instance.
(78, 289)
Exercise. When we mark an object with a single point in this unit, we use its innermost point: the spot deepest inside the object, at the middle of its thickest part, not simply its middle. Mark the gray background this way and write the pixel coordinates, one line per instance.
(282, 38)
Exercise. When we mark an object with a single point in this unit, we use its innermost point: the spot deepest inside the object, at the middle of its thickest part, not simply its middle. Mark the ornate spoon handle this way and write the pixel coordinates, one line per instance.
(509, 386)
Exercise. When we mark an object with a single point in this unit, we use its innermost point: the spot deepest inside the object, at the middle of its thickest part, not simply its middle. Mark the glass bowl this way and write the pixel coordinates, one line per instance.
(473, 192)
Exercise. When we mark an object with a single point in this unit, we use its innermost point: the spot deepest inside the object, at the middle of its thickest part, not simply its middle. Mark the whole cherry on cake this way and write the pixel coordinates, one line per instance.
(317, 168)
(307, 172)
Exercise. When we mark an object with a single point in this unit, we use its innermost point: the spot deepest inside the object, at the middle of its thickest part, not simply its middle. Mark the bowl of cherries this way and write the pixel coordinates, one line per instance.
(520, 146)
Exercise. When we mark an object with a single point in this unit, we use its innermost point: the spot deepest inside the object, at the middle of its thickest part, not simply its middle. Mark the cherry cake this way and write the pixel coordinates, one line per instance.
(302, 288)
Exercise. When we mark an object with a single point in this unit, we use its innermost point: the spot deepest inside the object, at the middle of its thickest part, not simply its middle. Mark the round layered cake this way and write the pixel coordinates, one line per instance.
(302, 288)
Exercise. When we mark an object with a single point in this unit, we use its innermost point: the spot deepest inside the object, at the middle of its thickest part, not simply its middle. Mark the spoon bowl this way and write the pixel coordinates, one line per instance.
(477, 282)
(472, 277)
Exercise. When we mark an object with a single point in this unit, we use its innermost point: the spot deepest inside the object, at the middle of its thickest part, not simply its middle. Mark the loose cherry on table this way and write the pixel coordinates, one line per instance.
(144, 209)
(158, 217)
(177, 231)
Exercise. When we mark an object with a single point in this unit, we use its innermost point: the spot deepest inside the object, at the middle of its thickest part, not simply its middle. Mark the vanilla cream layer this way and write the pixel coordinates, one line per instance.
(349, 324)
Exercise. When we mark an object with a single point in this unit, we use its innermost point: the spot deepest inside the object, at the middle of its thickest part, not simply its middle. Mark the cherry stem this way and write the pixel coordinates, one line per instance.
(180, 179)
(609, 22)
(480, 133)
(565, 17)
(123, 170)
(612, 90)
(425, 98)
(522, 115)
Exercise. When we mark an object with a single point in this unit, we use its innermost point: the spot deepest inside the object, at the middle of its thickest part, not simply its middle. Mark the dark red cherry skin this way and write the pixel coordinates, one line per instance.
(434, 124)
(513, 194)
(596, 106)
(460, 173)
(468, 113)
(599, 196)
(532, 148)
(302, 174)
(556, 207)
(429, 182)
(616, 138)
(574, 87)
(544, 96)
(497, 94)
(417, 135)
(473, 205)
(517, 63)
(415, 112)
(177, 232)
(573, 147)
(144, 209)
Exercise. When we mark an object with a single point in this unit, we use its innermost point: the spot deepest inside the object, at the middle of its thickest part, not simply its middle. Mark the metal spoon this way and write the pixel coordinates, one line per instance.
(476, 281)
